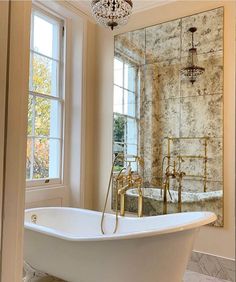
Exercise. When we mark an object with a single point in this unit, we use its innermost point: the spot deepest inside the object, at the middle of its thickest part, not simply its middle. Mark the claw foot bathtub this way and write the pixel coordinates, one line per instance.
(67, 243)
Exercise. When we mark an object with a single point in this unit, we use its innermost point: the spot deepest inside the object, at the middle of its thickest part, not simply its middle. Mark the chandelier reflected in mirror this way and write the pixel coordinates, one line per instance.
(192, 70)
(112, 13)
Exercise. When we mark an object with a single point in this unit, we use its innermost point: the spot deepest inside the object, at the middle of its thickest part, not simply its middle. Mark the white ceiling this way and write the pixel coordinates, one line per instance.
(138, 5)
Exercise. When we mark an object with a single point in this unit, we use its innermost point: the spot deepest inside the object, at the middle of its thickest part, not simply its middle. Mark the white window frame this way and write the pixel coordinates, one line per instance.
(49, 182)
(125, 116)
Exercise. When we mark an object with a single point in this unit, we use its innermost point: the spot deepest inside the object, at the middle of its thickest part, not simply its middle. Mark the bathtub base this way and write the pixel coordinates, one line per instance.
(152, 259)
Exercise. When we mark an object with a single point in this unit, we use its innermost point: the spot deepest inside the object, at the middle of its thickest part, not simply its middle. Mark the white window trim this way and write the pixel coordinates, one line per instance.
(73, 168)
(50, 16)
(126, 116)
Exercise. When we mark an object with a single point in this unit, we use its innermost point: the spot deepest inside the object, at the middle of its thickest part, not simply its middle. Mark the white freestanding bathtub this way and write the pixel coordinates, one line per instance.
(67, 243)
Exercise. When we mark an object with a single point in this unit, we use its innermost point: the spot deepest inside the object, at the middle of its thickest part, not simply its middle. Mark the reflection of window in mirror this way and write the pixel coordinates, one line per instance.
(126, 110)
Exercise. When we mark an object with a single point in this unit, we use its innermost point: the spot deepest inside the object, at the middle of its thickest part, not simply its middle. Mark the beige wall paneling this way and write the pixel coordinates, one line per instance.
(54, 202)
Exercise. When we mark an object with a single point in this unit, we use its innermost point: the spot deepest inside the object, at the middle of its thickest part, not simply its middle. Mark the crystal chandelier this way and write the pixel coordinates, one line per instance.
(112, 13)
(192, 71)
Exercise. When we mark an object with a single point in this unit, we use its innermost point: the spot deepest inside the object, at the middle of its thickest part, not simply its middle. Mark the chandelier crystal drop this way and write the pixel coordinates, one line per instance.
(192, 71)
(112, 13)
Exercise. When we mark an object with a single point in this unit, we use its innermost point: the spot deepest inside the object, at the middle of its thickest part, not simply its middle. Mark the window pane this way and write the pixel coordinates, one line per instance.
(131, 131)
(41, 159)
(44, 77)
(119, 129)
(131, 149)
(118, 72)
(118, 100)
(54, 158)
(46, 36)
(44, 114)
(29, 158)
(129, 103)
(118, 148)
(46, 158)
(47, 117)
(30, 115)
(129, 78)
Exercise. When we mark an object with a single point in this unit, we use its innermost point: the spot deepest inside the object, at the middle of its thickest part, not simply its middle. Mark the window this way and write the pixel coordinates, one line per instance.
(125, 107)
(45, 107)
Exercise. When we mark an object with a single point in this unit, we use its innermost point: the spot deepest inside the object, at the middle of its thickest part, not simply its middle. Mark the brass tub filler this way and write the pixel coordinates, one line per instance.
(124, 180)
(173, 169)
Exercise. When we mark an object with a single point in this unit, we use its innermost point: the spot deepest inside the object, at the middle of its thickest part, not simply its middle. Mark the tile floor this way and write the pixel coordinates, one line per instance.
(189, 276)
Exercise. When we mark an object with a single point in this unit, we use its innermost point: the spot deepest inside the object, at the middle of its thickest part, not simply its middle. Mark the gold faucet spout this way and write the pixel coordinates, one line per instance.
(125, 181)
(123, 189)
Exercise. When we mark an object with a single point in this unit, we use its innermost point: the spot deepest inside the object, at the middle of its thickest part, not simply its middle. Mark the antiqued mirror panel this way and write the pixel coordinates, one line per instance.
(172, 119)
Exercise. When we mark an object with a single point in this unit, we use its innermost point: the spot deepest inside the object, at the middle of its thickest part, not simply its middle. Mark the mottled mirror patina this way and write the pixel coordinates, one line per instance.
(158, 113)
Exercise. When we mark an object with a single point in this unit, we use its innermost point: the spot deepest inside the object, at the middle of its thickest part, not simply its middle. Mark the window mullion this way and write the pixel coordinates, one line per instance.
(47, 105)
(33, 140)
(124, 88)
(32, 159)
(46, 96)
(45, 56)
(31, 46)
(136, 107)
(32, 31)
(33, 115)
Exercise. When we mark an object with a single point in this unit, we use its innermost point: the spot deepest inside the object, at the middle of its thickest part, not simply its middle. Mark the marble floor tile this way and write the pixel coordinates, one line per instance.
(31, 275)
(210, 265)
(191, 276)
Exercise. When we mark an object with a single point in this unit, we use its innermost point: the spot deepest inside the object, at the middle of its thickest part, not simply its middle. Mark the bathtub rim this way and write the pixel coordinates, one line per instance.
(192, 224)
(189, 201)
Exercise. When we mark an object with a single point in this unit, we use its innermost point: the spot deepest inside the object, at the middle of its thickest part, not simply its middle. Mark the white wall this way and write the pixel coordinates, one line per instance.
(218, 241)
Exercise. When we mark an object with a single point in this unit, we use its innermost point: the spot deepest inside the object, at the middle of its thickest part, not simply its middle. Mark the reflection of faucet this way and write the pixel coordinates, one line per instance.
(174, 174)
(126, 180)
(131, 179)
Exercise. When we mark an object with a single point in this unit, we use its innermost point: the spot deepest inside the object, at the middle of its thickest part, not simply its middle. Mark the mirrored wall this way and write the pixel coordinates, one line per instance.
(173, 123)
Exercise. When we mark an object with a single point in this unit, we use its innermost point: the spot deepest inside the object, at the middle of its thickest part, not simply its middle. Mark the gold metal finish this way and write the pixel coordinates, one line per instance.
(126, 181)
(177, 173)
(122, 204)
(106, 200)
(123, 182)
(34, 218)
(140, 202)
(174, 174)
(187, 138)
(204, 157)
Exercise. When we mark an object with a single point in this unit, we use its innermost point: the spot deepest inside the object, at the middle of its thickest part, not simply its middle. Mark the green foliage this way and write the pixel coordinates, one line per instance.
(119, 129)
(42, 82)
(39, 115)
(119, 136)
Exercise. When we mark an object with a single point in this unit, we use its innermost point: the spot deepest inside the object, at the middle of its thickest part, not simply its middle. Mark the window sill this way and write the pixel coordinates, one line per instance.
(45, 187)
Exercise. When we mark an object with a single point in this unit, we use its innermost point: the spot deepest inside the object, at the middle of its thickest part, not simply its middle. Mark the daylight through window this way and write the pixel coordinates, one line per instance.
(45, 106)
(125, 107)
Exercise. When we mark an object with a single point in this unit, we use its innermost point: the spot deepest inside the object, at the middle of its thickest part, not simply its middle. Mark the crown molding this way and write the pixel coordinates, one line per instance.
(75, 7)
(82, 9)
(152, 5)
